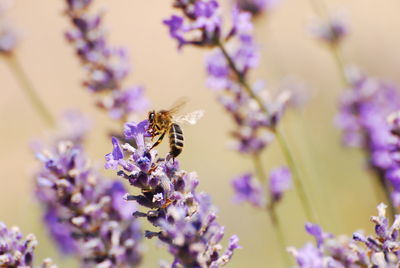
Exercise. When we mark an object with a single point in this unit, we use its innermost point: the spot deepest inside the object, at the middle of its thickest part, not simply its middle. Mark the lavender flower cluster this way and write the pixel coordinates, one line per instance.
(107, 66)
(85, 212)
(15, 251)
(378, 250)
(186, 219)
(363, 114)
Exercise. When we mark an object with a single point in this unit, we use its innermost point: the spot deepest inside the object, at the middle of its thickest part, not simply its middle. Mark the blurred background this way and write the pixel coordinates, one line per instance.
(338, 184)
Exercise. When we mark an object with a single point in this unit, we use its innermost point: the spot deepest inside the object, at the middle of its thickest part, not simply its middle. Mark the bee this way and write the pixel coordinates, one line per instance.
(164, 121)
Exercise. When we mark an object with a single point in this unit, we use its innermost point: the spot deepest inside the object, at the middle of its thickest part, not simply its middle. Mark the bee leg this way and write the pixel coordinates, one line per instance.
(159, 140)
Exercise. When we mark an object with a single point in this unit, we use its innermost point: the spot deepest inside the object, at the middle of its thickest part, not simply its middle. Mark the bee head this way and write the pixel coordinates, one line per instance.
(151, 116)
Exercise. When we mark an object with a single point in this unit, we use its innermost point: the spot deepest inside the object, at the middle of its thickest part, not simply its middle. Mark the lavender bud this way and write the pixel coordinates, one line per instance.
(257, 7)
(8, 36)
(331, 31)
(247, 188)
(280, 181)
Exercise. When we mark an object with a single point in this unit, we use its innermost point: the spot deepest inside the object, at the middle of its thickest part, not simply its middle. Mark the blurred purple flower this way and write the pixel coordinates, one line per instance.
(247, 188)
(186, 219)
(279, 182)
(257, 7)
(331, 31)
(107, 67)
(363, 116)
(8, 36)
(16, 251)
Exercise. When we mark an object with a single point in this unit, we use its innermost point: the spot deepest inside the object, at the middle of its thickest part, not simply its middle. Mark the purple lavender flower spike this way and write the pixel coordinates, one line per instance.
(247, 188)
(363, 120)
(107, 67)
(15, 251)
(86, 213)
(185, 219)
(235, 54)
(280, 181)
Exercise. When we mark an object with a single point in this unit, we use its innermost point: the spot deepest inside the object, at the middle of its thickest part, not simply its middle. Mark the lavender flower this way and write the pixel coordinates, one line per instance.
(379, 250)
(201, 19)
(107, 67)
(280, 181)
(16, 251)
(332, 31)
(363, 120)
(257, 7)
(8, 36)
(186, 219)
(85, 212)
(247, 188)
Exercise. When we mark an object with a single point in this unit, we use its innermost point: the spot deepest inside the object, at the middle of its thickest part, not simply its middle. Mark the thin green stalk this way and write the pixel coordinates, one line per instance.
(285, 149)
(28, 89)
(271, 210)
(311, 216)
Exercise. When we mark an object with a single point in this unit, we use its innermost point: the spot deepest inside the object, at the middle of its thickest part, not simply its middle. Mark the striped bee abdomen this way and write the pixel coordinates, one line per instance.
(175, 140)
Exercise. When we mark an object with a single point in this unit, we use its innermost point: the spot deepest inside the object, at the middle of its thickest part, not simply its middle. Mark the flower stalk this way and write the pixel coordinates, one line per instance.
(28, 89)
(271, 211)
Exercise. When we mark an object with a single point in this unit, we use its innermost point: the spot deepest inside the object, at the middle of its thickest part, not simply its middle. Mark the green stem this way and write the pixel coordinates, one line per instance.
(311, 216)
(285, 149)
(29, 90)
(271, 210)
(337, 55)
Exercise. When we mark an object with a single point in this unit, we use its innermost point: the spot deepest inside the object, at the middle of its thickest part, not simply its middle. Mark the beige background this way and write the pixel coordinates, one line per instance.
(341, 190)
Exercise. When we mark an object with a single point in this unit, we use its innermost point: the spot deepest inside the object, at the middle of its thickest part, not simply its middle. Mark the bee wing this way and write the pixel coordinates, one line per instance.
(190, 118)
(177, 106)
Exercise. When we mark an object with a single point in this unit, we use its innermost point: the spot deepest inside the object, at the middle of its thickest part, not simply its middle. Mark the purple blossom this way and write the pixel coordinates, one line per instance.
(8, 36)
(363, 119)
(378, 250)
(15, 251)
(200, 24)
(280, 181)
(107, 67)
(247, 188)
(185, 220)
(257, 7)
(331, 31)
(86, 213)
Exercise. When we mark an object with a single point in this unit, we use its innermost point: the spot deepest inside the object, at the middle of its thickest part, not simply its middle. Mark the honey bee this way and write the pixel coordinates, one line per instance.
(164, 121)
